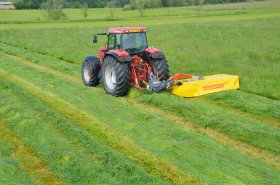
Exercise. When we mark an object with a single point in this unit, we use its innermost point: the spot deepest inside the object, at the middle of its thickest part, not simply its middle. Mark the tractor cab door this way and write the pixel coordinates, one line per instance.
(114, 41)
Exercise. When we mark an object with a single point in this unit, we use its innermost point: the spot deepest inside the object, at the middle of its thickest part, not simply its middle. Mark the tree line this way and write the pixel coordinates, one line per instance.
(125, 4)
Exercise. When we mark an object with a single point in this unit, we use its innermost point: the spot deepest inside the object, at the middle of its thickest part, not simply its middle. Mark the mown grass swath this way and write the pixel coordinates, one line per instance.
(215, 117)
(153, 136)
(110, 136)
(247, 102)
(34, 167)
(250, 150)
(119, 169)
(251, 105)
(236, 126)
(11, 172)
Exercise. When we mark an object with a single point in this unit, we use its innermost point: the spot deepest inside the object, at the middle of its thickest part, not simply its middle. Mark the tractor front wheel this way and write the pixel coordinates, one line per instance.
(161, 69)
(90, 70)
(115, 77)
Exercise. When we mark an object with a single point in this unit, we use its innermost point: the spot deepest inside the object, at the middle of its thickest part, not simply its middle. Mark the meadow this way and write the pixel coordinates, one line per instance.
(54, 130)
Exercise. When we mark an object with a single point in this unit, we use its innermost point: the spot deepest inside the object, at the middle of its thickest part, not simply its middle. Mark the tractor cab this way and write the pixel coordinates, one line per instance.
(130, 40)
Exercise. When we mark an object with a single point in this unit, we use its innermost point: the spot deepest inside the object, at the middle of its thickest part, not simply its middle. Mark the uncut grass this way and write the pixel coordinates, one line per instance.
(143, 21)
(266, 109)
(105, 13)
(188, 150)
(113, 162)
(248, 48)
(63, 157)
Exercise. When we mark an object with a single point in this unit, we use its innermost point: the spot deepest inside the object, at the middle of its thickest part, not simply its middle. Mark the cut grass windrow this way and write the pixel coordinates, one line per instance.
(110, 136)
(91, 153)
(51, 70)
(249, 106)
(5, 44)
(267, 113)
(237, 127)
(181, 146)
(219, 137)
(30, 163)
(257, 153)
(229, 107)
(259, 106)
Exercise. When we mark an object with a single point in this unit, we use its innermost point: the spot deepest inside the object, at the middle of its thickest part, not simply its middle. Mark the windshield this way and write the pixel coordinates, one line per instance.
(134, 42)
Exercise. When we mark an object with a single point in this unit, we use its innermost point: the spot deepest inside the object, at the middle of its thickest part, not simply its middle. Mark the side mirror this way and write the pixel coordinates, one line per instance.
(94, 39)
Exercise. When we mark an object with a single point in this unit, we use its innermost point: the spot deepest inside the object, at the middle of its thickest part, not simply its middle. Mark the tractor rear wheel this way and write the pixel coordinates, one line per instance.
(115, 77)
(161, 69)
(90, 70)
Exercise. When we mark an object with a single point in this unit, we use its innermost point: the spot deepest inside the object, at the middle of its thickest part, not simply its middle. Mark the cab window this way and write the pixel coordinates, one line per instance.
(111, 40)
(118, 41)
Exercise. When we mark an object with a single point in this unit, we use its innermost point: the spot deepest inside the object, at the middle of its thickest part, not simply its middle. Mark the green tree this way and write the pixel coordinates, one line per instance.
(112, 14)
(152, 3)
(112, 4)
(77, 4)
(19, 5)
(196, 2)
(164, 3)
(84, 10)
(140, 5)
(54, 9)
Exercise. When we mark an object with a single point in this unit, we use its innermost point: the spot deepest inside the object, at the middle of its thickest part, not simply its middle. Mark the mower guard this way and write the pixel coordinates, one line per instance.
(206, 85)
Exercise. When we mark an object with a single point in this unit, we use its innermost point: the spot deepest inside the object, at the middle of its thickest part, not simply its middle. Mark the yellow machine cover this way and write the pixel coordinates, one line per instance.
(209, 84)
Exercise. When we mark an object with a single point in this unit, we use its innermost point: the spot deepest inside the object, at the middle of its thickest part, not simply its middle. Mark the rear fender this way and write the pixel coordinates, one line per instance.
(120, 55)
(92, 58)
(155, 53)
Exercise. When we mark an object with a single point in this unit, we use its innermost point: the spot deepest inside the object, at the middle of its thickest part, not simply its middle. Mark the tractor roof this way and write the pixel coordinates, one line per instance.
(127, 30)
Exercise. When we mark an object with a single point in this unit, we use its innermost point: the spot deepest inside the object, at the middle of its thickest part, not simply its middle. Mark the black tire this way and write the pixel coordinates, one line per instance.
(89, 71)
(115, 77)
(161, 69)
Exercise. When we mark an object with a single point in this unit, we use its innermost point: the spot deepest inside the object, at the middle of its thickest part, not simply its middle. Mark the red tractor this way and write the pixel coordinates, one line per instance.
(125, 61)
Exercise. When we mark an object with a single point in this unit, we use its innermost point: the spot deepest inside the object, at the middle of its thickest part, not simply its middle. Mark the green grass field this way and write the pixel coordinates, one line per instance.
(55, 130)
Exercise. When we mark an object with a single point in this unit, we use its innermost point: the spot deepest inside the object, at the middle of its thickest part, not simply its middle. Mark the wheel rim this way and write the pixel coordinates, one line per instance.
(110, 76)
(87, 73)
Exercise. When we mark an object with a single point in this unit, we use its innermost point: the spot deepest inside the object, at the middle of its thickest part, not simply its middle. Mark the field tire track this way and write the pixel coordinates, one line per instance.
(36, 168)
(254, 152)
(156, 166)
